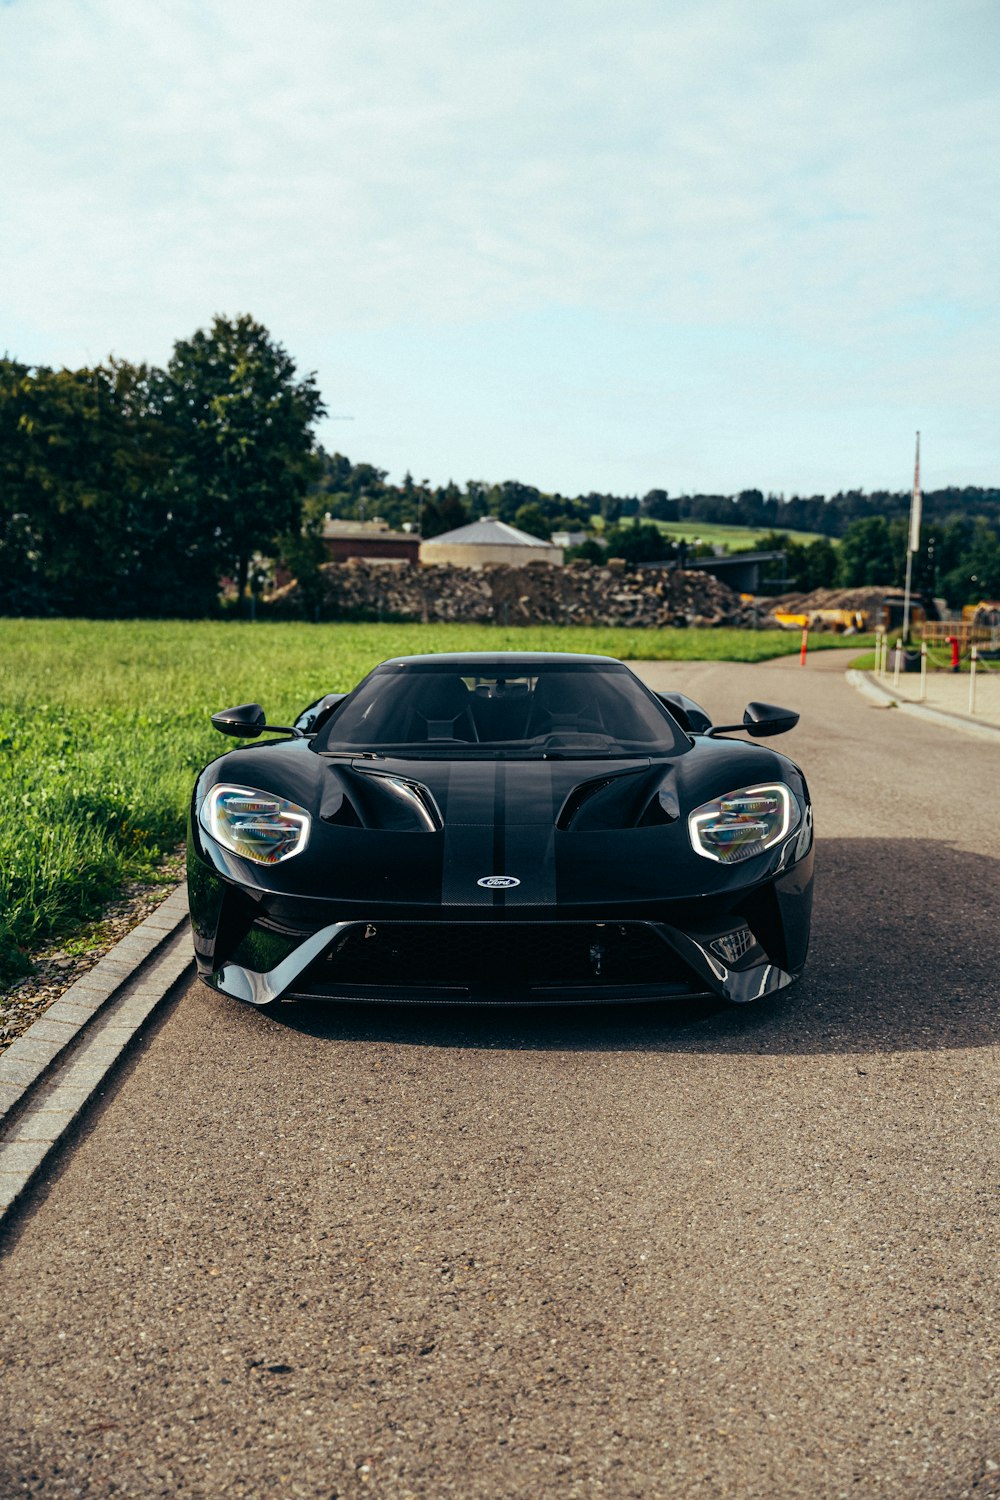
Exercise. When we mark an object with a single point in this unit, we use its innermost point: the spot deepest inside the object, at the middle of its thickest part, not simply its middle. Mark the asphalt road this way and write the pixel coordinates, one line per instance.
(624, 1253)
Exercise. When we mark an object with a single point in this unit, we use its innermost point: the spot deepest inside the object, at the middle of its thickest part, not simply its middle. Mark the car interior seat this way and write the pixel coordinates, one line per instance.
(562, 705)
(502, 709)
(443, 710)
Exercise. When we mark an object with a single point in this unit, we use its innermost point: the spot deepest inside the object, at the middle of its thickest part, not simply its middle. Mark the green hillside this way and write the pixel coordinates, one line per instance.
(733, 538)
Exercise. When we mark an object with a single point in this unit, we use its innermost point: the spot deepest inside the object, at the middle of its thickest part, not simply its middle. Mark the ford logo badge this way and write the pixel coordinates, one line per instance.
(498, 882)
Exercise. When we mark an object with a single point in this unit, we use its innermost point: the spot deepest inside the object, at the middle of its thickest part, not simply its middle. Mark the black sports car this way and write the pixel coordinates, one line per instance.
(501, 828)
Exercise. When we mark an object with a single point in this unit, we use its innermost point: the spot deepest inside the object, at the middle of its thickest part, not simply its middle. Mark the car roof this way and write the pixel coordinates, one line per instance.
(513, 658)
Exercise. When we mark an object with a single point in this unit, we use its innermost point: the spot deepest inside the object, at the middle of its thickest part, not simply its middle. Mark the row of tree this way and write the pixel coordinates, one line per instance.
(959, 557)
(958, 561)
(130, 490)
(830, 515)
(360, 490)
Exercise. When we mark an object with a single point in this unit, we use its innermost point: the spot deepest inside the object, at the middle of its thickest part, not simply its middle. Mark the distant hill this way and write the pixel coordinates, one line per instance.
(716, 534)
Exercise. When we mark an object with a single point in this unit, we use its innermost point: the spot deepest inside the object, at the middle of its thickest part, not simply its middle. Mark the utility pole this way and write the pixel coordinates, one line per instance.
(913, 541)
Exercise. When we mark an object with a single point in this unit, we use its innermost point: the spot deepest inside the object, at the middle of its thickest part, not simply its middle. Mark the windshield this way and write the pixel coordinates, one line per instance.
(537, 710)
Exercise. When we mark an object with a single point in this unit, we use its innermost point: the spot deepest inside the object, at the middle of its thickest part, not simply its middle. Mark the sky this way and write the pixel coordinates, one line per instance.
(693, 245)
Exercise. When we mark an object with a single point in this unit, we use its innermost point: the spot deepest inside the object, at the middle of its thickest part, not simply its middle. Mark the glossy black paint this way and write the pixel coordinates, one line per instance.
(596, 844)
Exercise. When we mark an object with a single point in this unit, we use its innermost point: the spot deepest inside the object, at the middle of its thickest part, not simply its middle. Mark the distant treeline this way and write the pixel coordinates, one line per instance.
(361, 490)
(959, 555)
(127, 490)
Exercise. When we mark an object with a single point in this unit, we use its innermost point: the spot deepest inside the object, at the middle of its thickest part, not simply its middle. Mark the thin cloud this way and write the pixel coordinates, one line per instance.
(822, 174)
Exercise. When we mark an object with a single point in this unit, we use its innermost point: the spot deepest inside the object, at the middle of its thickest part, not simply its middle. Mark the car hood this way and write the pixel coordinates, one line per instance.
(424, 832)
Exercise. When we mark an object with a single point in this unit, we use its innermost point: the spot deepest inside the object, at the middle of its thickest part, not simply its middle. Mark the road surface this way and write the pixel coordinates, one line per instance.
(632, 1253)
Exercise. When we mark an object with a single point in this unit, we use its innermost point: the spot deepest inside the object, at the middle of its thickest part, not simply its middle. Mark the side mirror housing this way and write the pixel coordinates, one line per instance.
(245, 722)
(762, 719)
(759, 720)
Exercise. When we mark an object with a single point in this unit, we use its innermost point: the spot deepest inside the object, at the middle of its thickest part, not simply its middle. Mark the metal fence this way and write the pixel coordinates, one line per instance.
(983, 630)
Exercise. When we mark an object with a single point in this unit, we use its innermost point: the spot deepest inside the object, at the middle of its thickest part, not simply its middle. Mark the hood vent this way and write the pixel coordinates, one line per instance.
(376, 799)
(625, 799)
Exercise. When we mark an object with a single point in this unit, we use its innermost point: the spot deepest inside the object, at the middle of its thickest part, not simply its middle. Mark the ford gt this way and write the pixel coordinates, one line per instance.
(496, 829)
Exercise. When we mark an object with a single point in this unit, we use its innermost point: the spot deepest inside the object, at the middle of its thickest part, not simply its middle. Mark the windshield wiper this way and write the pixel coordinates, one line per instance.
(584, 754)
(349, 754)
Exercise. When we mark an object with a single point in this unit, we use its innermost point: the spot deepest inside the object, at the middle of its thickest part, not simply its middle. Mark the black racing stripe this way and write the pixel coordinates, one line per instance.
(468, 834)
(531, 833)
(500, 820)
(499, 829)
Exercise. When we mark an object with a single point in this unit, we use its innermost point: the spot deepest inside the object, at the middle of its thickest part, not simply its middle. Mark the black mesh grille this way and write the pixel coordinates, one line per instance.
(487, 956)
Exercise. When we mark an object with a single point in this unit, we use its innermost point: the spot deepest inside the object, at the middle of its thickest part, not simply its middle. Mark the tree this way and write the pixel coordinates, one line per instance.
(806, 565)
(639, 543)
(590, 550)
(867, 554)
(816, 564)
(751, 508)
(22, 530)
(531, 518)
(658, 505)
(441, 512)
(84, 519)
(303, 553)
(243, 437)
(506, 499)
(977, 575)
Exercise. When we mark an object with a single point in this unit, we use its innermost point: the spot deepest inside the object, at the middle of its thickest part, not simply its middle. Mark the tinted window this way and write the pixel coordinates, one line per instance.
(504, 708)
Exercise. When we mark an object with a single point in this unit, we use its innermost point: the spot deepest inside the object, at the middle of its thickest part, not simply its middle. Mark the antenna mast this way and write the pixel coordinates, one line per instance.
(913, 541)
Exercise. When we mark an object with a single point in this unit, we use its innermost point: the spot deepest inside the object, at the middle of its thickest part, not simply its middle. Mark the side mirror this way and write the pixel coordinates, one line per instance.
(245, 722)
(762, 719)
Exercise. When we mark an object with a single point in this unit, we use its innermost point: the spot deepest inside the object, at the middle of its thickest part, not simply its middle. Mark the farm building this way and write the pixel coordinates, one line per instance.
(487, 542)
(372, 540)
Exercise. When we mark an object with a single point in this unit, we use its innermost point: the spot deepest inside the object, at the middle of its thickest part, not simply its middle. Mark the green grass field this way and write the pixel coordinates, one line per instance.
(733, 538)
(103, 725)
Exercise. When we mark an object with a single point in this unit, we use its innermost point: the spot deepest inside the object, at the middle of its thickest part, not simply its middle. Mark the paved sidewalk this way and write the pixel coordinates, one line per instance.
(946, 701)
(950, 691)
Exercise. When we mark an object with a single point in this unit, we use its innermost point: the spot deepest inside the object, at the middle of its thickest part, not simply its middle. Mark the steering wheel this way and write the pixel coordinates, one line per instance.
(462, 721)
(563, 738)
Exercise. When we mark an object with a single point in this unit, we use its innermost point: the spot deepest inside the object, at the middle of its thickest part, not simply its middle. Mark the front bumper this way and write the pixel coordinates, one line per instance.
(325, 966)
(264, 951)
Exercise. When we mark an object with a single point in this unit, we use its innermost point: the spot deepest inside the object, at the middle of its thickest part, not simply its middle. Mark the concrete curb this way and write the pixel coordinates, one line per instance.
(865, 683)
(49, 1073)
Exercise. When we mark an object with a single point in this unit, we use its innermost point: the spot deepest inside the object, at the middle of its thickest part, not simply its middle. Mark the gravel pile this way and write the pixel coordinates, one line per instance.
(867, 600)
(538, 594)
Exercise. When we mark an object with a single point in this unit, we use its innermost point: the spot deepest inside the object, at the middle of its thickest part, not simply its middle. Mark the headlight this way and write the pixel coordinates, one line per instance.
(744, 823)
(257, 825)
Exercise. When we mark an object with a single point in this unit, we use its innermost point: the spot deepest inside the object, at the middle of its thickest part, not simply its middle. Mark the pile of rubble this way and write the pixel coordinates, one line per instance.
(867, 598)
(537, 594)
(835, 609)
